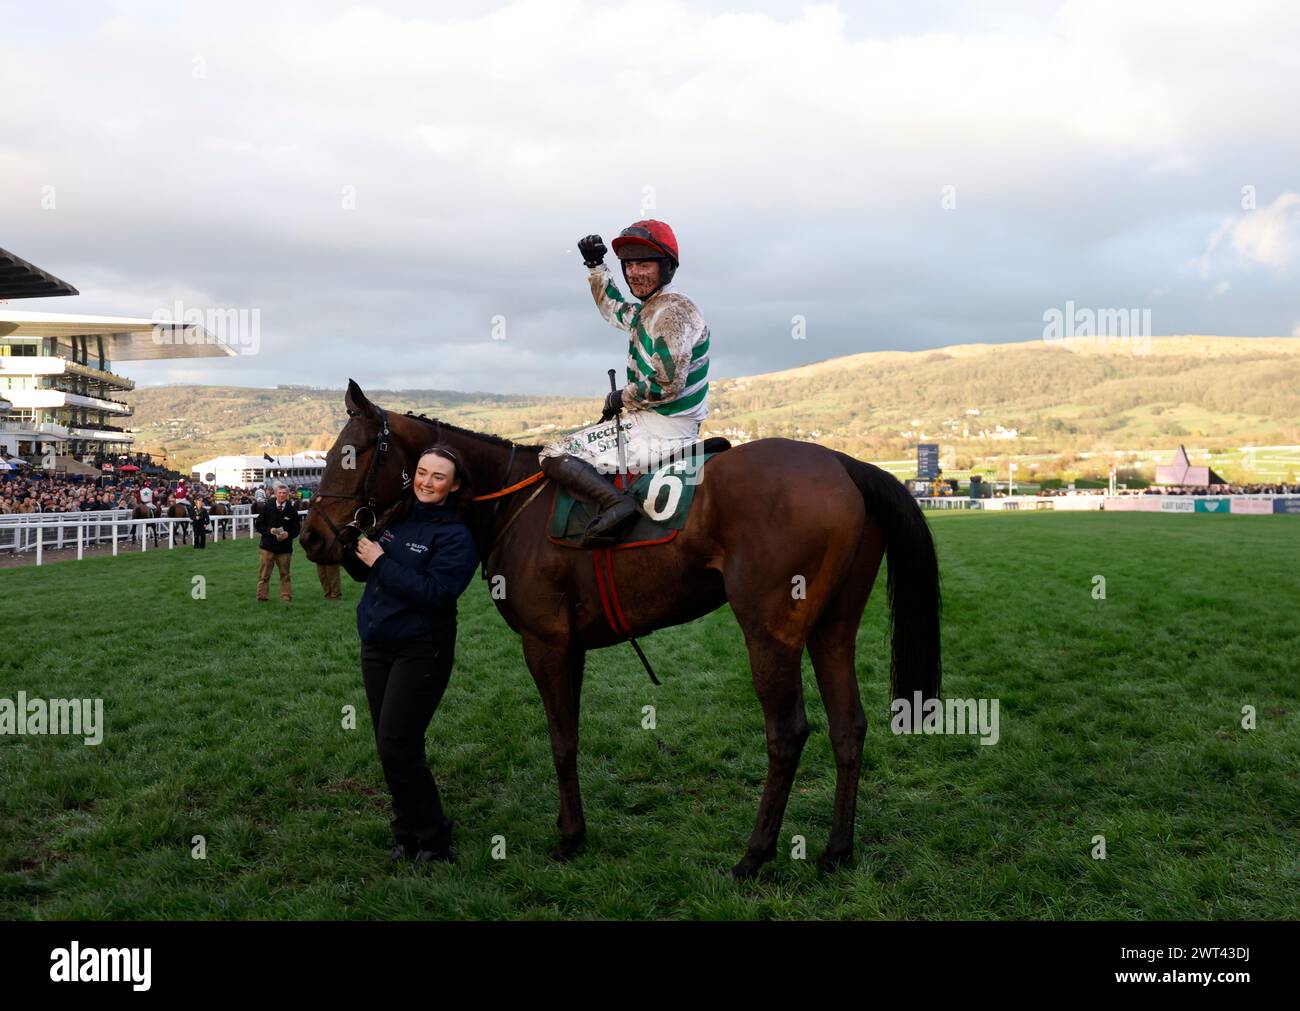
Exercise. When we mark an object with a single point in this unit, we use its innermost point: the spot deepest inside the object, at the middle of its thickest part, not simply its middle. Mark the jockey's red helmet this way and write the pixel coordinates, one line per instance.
(645, 239)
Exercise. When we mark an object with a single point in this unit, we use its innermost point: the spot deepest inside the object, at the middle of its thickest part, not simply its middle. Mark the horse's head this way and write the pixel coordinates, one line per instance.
(366, 475)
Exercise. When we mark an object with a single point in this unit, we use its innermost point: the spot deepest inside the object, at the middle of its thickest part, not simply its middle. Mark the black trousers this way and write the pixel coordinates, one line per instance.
(200, 537)
(405, 680)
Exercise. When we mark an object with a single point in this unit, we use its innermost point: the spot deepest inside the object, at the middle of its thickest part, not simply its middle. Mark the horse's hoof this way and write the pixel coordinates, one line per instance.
(749, 866)
(833, 860)
(566, 850)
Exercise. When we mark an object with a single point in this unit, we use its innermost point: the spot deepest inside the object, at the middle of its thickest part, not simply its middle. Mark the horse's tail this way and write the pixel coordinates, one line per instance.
(913, 580)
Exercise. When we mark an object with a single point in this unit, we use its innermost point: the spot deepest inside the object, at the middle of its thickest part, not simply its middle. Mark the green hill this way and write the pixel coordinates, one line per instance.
(1056, 405)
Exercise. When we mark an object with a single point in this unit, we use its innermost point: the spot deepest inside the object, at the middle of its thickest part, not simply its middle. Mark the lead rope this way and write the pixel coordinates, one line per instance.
(536, 491)
(496, 505)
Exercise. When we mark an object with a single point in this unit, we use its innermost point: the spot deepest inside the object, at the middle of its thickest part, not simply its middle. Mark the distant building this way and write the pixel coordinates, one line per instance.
(250, 471)
(57, 385)
(1181, 472)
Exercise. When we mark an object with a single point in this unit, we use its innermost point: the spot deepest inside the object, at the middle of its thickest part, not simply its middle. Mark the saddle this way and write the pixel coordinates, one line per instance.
(664, 494)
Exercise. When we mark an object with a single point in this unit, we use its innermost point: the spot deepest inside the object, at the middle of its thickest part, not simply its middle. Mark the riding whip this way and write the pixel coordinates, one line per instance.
(622, 475)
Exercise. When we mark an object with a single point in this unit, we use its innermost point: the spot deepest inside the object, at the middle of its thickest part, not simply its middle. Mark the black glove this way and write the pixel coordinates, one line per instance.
(592, 249)
(613, 404)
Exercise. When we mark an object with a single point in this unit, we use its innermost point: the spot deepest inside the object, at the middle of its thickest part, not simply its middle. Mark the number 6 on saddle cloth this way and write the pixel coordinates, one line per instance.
(665, 496)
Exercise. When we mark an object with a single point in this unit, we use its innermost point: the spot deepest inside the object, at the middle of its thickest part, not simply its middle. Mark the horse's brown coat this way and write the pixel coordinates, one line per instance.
(765, 514)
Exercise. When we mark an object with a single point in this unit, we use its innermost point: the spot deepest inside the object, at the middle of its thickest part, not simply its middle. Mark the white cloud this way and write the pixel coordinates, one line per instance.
(1270, 235)
(799, 156)
(1204, 261)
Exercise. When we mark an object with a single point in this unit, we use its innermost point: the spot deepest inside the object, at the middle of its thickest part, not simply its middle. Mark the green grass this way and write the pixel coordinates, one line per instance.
(1119, 717)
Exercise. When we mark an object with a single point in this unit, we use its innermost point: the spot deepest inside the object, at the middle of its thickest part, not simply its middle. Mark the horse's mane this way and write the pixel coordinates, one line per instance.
(495, 440)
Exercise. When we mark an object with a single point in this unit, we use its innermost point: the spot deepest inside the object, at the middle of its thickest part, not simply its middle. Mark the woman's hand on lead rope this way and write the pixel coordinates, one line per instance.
(368, 551)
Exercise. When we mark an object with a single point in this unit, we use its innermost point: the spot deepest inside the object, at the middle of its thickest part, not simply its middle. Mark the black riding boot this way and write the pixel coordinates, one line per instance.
(431, 848)
(616, 507)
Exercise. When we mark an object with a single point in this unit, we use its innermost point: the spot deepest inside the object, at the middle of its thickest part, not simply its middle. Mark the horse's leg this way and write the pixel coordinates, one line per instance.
(778, 593)
(777, 681)
(557, 669)
(832, 645)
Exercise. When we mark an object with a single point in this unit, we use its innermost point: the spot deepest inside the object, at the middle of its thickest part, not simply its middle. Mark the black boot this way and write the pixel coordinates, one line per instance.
(615, 507)
(437, 847)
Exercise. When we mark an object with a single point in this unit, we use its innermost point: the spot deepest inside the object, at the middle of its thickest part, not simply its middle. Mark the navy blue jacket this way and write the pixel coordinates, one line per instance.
(429, 558)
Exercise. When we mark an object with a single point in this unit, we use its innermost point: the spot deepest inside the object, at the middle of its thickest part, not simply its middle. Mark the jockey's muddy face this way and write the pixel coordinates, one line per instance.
(642, 276)
(435, 478)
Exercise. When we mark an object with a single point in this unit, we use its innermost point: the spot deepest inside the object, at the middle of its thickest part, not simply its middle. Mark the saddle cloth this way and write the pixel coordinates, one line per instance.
(665, 496)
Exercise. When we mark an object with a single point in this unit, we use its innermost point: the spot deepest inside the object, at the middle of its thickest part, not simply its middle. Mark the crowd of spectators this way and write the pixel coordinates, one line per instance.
(1220, 489)
(31, 490)
(1168, 489)
(1211, 489)
(144, 461)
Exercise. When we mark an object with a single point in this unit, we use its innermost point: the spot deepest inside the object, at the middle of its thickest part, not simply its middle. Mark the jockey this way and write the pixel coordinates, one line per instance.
(666, 396)
(146, 495)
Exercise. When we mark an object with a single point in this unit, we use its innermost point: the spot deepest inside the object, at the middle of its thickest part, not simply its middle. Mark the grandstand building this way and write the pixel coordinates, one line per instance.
(251, 471)
(58, 384)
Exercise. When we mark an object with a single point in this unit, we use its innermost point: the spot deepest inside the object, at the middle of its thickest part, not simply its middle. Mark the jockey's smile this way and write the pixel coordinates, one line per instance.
(642, 276)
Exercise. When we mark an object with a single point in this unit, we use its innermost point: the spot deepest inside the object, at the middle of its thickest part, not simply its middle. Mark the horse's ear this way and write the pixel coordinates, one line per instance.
(356, 401)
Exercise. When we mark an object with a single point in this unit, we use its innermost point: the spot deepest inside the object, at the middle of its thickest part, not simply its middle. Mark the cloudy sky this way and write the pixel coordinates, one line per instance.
(394, 186)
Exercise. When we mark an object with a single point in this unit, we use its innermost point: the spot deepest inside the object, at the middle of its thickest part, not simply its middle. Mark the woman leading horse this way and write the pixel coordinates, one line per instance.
(767, 516)
(414, 569)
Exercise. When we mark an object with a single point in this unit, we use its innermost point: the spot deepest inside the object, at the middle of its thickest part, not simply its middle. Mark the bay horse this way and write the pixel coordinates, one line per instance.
(177, 510)
(220, 509)
(145, 512)
(768, 516)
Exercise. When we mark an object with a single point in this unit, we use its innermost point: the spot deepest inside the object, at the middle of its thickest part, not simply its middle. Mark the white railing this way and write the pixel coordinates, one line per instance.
(945, 502)
(41, 532)
(1131, 502)
(1001, 502)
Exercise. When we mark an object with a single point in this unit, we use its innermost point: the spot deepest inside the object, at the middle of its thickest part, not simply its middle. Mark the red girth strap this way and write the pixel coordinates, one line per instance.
(609, 598)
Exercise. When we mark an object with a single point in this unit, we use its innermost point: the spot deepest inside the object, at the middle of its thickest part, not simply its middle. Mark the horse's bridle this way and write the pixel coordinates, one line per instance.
(369, 501)
(366, 496)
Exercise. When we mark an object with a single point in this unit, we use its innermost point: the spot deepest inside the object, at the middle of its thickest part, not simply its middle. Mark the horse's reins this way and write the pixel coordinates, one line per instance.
(369, 501)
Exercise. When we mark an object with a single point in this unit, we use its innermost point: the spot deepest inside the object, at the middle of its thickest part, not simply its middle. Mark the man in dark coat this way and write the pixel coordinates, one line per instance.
(200, 521)
(278, 523)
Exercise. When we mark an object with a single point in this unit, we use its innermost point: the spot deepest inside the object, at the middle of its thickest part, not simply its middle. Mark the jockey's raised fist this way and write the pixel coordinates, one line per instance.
(592, 249)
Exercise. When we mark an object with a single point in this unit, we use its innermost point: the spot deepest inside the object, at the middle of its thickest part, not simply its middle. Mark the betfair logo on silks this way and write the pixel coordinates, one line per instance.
(606, 438)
